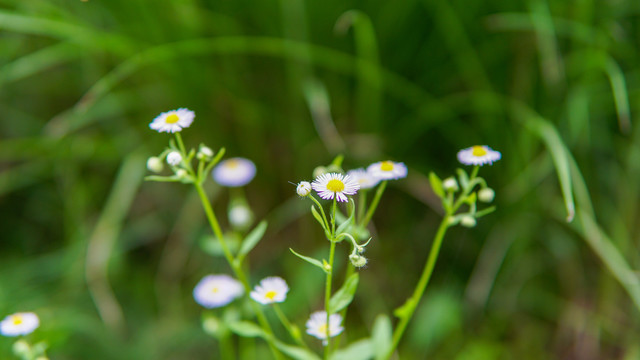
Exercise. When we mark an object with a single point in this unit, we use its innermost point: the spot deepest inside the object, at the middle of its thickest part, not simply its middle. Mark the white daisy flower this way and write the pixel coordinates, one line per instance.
(173, 121)
(19, 324)
(478, 155)
(335, 184)
(217, 290)
(234, 172)
(317, 325)
(303, 189)
(387, 170)
(364, 178)
(174, 158)
(270, 290)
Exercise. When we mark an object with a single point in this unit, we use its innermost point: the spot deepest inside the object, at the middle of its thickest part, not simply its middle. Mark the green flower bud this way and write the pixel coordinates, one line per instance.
(486, 195)
(21, 348)
(319, 171)
(450, 184)
(204, 153)
(358, 260)
(467, 221)
(240, 216)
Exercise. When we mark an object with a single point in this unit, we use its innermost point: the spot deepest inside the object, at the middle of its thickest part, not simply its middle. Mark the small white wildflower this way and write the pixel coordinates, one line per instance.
(204, 153)
(217, 290)
(270, 290)
(467, 221)
(174, 158)
(234, 172)
(303, 189)
(478, 155)
(364, 178)
(173, 121)
(154, 164)
(335, 185)
(240, 216)
(486, 195)
(387, 170)
(317, 325)
(450, 184)
(19, 324)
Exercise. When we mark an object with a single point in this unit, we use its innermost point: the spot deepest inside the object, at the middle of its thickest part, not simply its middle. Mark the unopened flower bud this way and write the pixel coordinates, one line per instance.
(21, 348)
(450, 184)
(204, 153)
(182, 173)
(240, 216)
(486, 195)
(319, 171)
(174, 158)
(154, 164)
(467, 221)
(303, 189)
(358, 260)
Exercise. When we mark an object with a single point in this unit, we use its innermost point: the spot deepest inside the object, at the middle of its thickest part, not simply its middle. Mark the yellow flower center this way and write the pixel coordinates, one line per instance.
(270, 295)
(215, 290)
(17, 320)
(335, 185)
(386, 166)
(172, 119)
(478, 151)
(232, 163)
(323, 329)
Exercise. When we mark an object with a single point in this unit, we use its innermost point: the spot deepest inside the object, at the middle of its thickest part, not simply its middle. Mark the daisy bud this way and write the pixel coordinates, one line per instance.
(467, 221)
(358, 260)
(486, 195)
(450, 184)
(174, 158)
(303, 189)
(21, 348)
(181, 173)
(319, 171)
(240, 216)
(204, 153)
(154, 164)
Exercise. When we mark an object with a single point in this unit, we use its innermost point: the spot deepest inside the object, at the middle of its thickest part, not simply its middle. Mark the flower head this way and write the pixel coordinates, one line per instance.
(217, 290)
(173, 121)
(486, 195)
(174, 158)
(204, 153)
(478, 155)
(317, 325)
(335, 185)
(270, 290)
(234, 172)
(19, 324)
(303, 189)
(154, 164)
(364, 178)
(387, 170)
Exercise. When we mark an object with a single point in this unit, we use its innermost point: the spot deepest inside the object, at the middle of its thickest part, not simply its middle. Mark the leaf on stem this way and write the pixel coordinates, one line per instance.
(252, 239)
(318, 217)
(310, 260)
(296, 352)
(405, 309)
(436, 184)
(343, 297)
(486, 211)
(464, 178)
(247, 329)
(381, 336)
(358, 350)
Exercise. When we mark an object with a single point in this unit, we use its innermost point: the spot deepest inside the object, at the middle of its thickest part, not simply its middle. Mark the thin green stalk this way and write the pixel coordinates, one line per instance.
(226, 348)
(215, 227)
(362, 205)
(350, 270)
(327, 289)
(414, 300)
(295, 334)
(374, 203)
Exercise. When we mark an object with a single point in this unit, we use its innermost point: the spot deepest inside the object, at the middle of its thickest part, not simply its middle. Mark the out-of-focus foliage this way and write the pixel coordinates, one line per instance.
(290, 84)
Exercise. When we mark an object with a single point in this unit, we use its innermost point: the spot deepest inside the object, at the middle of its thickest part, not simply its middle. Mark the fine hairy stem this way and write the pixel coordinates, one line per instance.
(215, 227)
(327, 289)
(412, 302)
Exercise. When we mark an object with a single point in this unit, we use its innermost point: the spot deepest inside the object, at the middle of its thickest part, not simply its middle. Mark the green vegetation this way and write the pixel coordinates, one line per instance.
(109, 261)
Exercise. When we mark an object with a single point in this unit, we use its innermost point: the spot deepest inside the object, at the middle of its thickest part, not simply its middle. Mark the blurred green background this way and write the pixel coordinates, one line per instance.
(553, 85)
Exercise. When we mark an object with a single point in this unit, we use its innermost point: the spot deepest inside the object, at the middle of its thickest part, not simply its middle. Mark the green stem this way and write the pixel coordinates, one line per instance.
(295, 334)
(350, 270)
(362, 204)
(217, 231)
(327, 296)
(414, 300)
(226, 348)
(374, 203)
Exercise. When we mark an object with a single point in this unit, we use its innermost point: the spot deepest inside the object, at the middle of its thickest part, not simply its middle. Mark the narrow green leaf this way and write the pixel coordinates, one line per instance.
(296, 352)
(358, 350)
(464, 178)
(486, 211)
(247, 329)
(436, 184)
(381, 336)
(343, 297)
(318, 217)
(252, 239)
(162, 178)
(345, 224)
(310, 260)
